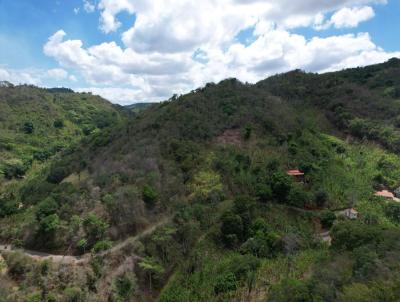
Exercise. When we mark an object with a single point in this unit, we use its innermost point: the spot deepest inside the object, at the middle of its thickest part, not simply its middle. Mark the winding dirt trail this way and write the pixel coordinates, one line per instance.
(80, 260)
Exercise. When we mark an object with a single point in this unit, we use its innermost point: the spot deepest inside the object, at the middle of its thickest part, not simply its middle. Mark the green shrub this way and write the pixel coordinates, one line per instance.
(290, 290)
(263, 192)
(231, 229)
(49, 224)
(327, 219)
(225, 283)
(58, 123)
(95, 227)
(14, 170)
(125, 286)
(281, 185)
(34, 297)
(46, 208)
(297, 197)
(28, 127)
(149, 195)
(74, 294)
(58, 172)
(18, 265)
(102, 245)
(320, 198)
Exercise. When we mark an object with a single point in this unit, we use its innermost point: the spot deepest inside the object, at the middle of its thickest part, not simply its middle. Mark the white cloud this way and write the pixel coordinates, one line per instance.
(110, 9)
(180, 25)
(88, 6)
(57, 73)
(351, 17)
(164, 53)
(76, 10)
(152, 76)
(22, 76)
(73, 78)
(122, 96)
(347, 18)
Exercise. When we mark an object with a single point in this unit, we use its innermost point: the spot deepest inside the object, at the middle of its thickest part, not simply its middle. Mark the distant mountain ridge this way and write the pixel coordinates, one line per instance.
(137, 107)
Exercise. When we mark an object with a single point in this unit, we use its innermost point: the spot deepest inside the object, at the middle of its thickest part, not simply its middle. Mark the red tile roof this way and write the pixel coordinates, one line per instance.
(295, 173)
(385, 193)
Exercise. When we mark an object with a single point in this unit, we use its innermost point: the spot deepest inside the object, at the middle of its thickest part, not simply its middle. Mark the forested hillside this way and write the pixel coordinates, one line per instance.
(190, 199)
(37, 123)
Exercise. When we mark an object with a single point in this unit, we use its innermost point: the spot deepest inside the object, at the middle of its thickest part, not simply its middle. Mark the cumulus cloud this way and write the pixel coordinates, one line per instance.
(110, 9)
(180, 25)
(57, 73)
(122, 96)
(153, 76)
(347, 18)
(24, 76)
(88, 6)
(177, 45)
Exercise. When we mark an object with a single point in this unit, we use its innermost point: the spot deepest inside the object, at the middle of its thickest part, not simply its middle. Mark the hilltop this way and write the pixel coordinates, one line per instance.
(212, 166)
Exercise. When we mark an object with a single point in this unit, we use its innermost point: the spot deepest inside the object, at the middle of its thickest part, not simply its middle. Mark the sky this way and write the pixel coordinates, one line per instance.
(132, 51)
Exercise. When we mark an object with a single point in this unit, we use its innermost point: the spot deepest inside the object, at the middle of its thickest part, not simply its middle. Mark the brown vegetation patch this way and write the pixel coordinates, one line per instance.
(230, 137)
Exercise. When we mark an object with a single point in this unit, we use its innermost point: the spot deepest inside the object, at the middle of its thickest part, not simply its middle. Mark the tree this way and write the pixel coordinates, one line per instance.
(392, 210)
(290, 290)
(247, 132)
(281, 185)
(327, 219)
(102, 245)
(358, 127)
(45, 208)
(357, 292)
(14, 170)
(231, 229)
(163, 238)
(365, 262)
(57, 173)
(320, 198)
(263, 192)
(244, 207)
(58, 123)
(50, 224)
(225, 283)
(125, 286)
(348, 235)
(297, 197)
(150, 196)
(82, 245)
(28, 127)
(74, 294)
(152, 268)
(95, 228)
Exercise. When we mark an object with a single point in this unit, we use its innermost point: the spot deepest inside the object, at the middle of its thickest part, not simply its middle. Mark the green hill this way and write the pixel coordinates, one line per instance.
(36, 123)
(138, 107)
(203, 177)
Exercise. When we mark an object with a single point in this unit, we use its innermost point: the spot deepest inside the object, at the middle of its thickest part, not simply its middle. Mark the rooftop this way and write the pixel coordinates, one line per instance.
(295, 173)
(385, 193)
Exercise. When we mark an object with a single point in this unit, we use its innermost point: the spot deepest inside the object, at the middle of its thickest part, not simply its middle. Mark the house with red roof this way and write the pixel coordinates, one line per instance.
(296, 174)
(385, 193)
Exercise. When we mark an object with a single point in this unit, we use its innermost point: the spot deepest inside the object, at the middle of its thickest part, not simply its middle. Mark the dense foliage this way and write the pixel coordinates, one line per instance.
(37, 123)
(203, 178)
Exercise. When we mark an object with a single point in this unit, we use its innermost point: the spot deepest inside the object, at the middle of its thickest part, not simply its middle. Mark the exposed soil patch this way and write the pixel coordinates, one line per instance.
(230, 137)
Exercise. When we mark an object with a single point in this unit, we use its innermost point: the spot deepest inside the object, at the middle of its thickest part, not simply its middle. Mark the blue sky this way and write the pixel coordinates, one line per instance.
(133, 50)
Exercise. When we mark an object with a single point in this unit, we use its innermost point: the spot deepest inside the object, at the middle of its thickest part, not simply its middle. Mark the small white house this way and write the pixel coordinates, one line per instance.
(351, 213)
